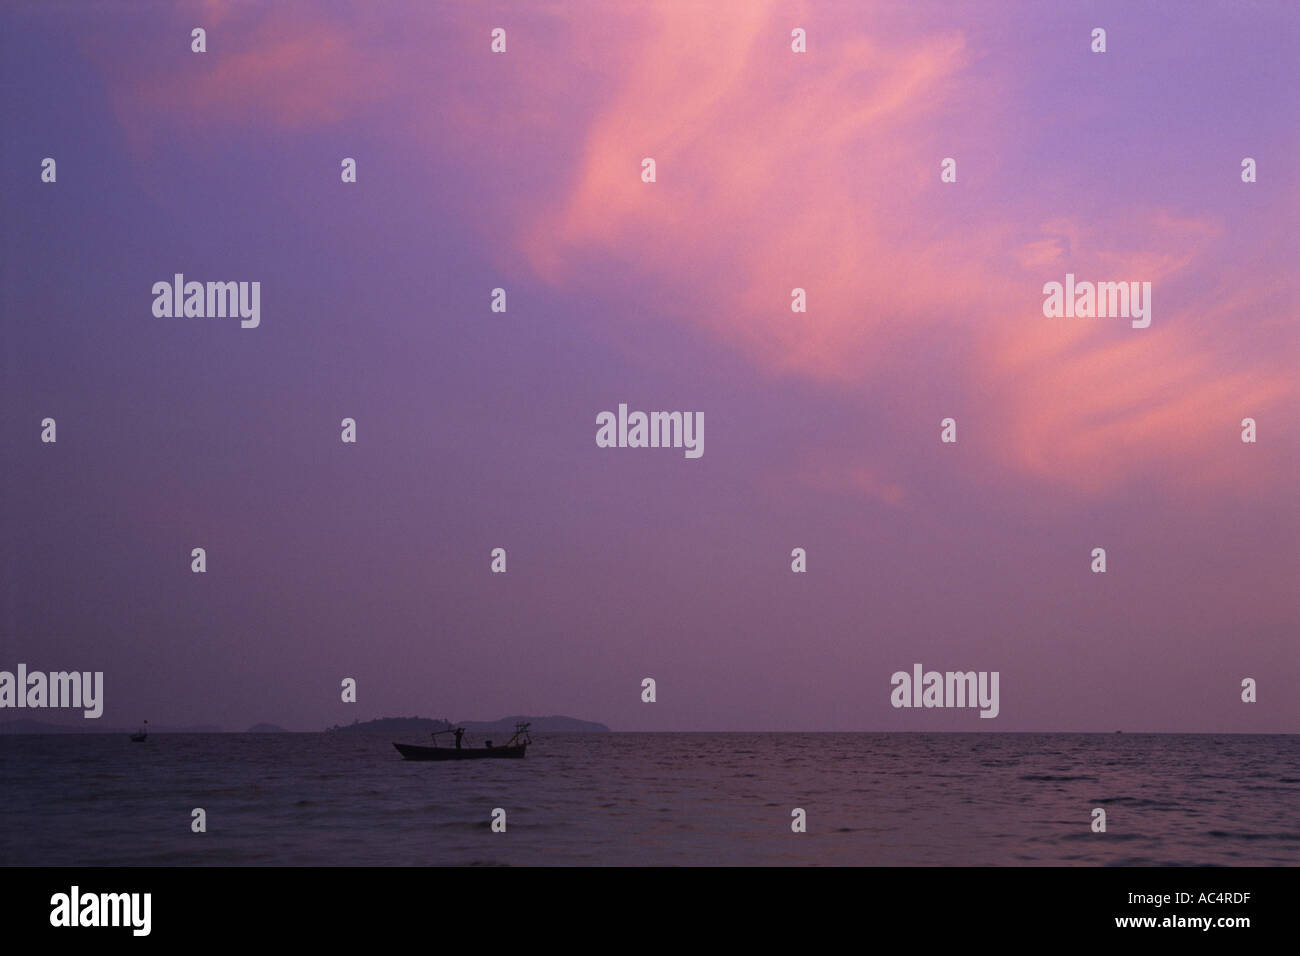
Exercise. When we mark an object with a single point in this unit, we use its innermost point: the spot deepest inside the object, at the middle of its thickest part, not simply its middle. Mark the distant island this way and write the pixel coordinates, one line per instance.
(505, 725)
(383, 725)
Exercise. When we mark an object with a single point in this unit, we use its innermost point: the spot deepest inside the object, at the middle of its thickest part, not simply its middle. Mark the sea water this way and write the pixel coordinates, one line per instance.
(638, 799)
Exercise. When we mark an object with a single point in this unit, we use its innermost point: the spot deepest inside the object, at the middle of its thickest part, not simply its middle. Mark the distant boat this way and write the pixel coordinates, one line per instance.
(514, 748)
(141, 735)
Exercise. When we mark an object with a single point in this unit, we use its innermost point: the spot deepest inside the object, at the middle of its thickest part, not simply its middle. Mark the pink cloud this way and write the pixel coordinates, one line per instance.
(284, 66)
(779, 170)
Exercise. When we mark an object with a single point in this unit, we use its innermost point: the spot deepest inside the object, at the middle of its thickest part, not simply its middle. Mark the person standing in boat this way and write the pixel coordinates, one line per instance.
(460, 732)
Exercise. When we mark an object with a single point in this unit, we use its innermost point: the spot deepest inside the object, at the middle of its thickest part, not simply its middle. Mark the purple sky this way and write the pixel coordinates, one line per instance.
(477, 430)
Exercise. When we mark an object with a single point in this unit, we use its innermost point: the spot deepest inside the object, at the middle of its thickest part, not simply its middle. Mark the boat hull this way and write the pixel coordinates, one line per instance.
(412, 752)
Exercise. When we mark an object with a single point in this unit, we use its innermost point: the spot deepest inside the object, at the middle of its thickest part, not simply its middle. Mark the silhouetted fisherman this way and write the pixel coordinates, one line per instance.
(460, 732)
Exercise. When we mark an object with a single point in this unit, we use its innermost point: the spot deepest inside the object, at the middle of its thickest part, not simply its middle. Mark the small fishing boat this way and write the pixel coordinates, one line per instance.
(514, 748)
(141, 735)
(413, 752)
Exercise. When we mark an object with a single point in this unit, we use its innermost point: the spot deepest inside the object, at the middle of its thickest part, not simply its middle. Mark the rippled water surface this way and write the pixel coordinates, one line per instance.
(588, 799)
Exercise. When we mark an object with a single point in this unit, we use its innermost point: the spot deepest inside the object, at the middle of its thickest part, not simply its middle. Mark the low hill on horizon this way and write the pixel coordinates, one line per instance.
(555, 724)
